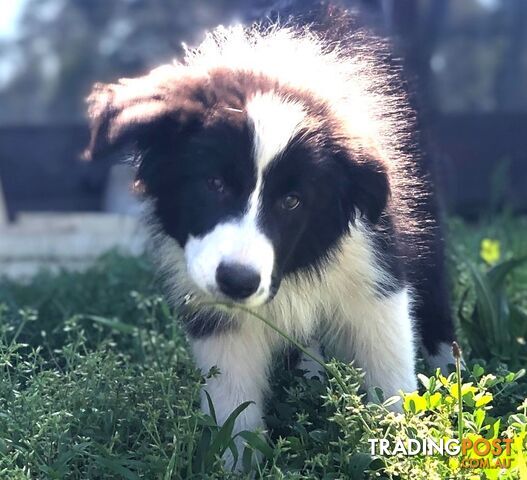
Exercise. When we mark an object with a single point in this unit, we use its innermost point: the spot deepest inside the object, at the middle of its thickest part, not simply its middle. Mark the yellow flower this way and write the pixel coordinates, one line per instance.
(483, 399)
(413, 402)
(490, 250)
(519, 455)
(465, 389)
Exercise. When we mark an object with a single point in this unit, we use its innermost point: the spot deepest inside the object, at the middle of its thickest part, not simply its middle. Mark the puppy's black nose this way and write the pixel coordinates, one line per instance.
(236, 280)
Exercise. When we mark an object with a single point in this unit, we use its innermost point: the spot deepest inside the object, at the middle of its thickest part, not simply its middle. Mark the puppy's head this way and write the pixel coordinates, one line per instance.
(253, 179)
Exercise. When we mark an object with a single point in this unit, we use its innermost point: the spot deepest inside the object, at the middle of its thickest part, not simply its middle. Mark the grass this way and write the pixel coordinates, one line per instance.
(96, 381)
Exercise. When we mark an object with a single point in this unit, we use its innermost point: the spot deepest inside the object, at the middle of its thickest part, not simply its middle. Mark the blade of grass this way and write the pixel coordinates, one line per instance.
(222, 439)
(112, 323)
(497, 274)
(257, 443)
(486, 305)
(211, 407)
(457, 356)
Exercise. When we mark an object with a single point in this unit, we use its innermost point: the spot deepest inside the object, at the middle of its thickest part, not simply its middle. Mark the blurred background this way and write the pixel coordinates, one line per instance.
(465, 60)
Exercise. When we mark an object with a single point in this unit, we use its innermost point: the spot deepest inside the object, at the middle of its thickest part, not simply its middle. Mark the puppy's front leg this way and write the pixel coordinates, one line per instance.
(378, 335)
(242, 356)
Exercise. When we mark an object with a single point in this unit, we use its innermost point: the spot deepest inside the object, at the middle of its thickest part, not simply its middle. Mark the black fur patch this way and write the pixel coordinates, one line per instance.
(204, 322)
(189, 130)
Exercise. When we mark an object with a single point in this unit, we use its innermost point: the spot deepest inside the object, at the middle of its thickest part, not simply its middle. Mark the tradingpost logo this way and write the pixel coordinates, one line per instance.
(470, 452)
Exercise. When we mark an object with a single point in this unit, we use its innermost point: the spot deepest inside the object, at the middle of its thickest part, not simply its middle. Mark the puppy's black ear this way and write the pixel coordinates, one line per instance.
(370, 188)
(124, 112)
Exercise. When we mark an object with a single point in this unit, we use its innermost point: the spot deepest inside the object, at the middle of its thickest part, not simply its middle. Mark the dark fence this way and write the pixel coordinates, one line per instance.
(481, 157)
(41, 170)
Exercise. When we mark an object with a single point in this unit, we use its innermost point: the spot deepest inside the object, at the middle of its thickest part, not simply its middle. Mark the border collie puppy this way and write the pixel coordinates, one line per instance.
(281, 175)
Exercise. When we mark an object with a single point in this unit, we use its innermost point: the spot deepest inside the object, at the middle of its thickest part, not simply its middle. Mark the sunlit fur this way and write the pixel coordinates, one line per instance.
(289, 86)
(347, 75)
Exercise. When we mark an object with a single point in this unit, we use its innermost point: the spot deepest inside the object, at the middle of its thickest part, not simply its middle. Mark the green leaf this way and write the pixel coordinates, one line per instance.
(117, 468)
(518, 321)
(211, 407)
(223, 437)
(256, 442)
(207, 421)
(486, 305)
(113, 323)
(424, 380)
(477, 370)
(498, 273)
(358, 463)
(202, 450)
(247, 459)
(479, 417)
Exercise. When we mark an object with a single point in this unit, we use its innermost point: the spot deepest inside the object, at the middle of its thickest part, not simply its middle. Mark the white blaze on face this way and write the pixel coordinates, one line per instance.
(274, 121)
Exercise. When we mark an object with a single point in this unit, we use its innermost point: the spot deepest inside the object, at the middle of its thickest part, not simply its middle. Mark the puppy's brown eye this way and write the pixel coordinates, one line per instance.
(216, 184)
(290, 202)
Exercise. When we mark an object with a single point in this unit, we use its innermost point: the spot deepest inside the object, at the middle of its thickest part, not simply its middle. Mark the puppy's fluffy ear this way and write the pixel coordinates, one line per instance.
(367, 187)
(123, 112)
(371, 190)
